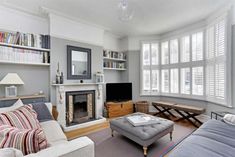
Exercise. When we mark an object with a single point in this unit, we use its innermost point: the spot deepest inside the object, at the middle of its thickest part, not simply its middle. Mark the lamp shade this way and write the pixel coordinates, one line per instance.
(11, 79)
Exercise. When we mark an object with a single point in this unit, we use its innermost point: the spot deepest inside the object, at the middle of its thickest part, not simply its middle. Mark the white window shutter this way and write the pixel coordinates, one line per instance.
(197, 46)
(165, 81)
(146, 80)
(220, 80)
(210, 45)
(174, 81)
(154, 53)
(197, 81)
(216, 62)
(185, 49)
(220, 38)
(185, 80)
(210, 81)
(165, 53)
(174, 50)
(155, 80)
(146, 54)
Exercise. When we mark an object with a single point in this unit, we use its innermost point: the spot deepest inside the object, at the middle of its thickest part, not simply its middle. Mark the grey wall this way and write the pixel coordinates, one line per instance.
(133, 75)
(59, 54)
(36, 78)
(112, 76)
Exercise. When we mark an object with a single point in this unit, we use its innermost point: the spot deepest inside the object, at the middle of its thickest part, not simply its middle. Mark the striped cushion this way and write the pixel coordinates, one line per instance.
(26, 140)
(23, 118)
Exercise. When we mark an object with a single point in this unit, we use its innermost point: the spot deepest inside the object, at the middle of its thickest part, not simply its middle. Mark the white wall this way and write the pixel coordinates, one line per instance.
(111, 41)
(13, 20)
(62, 27)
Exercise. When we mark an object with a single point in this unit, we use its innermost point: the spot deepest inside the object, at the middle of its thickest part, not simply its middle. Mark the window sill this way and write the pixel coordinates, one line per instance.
(188, 98)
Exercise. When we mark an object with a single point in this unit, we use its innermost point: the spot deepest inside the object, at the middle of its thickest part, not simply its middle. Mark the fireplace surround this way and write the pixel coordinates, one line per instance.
(62, 89)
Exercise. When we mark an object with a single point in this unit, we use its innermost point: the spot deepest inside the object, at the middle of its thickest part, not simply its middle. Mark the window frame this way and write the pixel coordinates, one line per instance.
(151, 67)
(191, 64)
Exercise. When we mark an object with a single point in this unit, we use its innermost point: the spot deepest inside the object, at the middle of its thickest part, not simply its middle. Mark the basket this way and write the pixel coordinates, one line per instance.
(142, 106)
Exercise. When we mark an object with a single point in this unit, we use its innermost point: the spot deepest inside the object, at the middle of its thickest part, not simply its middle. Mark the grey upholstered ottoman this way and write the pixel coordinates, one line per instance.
(144, 135)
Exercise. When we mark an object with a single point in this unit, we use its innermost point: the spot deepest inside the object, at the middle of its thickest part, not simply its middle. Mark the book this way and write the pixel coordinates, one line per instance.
(140, 120)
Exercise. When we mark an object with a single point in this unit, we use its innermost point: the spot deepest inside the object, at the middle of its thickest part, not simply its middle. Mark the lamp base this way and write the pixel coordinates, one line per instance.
(11, 91)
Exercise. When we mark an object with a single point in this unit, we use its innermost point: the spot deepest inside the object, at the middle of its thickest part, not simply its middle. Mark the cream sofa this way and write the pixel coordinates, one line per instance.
(59, 145)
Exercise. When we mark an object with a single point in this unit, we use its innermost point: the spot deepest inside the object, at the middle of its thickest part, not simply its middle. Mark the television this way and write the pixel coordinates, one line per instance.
(118, 91)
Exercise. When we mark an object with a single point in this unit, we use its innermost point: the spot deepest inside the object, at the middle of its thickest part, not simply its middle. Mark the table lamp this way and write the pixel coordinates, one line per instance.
(11, 79)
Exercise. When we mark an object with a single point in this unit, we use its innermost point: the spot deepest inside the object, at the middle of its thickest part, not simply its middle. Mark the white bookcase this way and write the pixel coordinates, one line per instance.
(13, 49)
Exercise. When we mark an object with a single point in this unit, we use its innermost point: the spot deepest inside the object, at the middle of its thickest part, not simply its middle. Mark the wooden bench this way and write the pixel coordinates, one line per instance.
(185, 111)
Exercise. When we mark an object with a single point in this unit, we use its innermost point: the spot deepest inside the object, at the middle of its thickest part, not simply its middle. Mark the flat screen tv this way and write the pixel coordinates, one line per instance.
(118, 91)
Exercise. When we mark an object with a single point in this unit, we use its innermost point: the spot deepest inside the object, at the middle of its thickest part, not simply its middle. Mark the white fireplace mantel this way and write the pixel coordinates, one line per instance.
(61, 90)
(77, 84)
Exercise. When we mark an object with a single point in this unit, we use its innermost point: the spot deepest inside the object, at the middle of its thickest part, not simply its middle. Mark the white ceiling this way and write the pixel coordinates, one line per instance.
(150, 16)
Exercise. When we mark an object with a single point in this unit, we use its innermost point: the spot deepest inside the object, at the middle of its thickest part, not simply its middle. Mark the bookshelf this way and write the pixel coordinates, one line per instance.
(113, 60)
(118, 69)
(24, 48)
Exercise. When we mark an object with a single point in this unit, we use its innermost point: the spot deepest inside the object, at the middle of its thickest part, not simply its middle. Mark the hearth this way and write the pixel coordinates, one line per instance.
(80, 107)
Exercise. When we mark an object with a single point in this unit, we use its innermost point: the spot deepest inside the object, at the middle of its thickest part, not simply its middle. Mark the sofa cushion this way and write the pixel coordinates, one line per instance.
(23, 118)
(26, 140)
(16, 105)
(53, 132)
(10, 152)
(42, 112)
(79, 147)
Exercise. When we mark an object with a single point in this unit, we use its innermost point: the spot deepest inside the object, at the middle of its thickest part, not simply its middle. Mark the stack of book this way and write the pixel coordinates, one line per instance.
(26, 39)
(117, 65)
(114, 54)
(23, 55)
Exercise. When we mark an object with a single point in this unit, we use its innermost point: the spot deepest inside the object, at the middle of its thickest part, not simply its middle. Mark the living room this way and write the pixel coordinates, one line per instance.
(127, 78)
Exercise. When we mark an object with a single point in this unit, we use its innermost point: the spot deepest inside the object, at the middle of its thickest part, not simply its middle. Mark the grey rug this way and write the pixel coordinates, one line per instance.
(120, 146)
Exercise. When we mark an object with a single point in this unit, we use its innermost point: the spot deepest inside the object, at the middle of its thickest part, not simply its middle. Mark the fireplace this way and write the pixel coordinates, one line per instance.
(80, 107)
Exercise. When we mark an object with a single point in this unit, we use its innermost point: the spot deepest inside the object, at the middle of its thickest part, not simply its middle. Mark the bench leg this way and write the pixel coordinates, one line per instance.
(112, 133)
(171, 135)
(145, 151)
(161, 112)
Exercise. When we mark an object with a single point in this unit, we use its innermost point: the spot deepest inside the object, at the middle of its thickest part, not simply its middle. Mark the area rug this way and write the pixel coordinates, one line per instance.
(120, 146)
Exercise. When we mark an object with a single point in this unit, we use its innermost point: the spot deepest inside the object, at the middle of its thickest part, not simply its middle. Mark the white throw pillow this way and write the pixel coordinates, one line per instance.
(53, 132)
(16, 105)
(229, 119)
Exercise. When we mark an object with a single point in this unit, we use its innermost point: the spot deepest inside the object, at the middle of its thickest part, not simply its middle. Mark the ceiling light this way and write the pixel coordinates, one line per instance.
(125, 12)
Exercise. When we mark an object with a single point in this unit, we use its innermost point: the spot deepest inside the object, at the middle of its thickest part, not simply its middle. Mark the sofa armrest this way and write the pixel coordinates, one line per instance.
(82, 147)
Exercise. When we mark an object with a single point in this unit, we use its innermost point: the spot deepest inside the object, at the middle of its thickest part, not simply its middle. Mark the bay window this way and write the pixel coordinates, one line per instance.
(191, 66)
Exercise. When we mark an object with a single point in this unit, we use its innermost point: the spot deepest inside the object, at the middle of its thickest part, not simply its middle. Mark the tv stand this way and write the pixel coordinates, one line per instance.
(117, 109)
